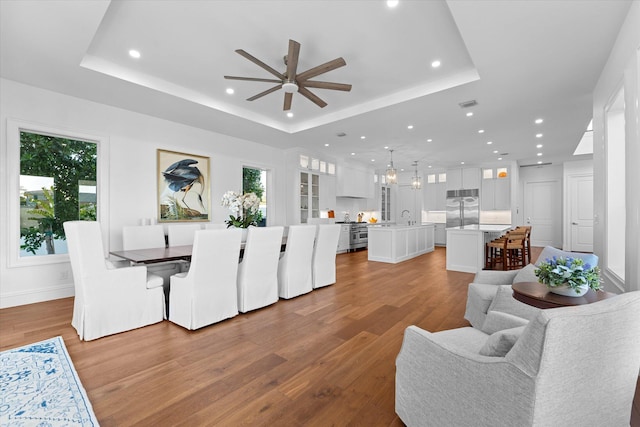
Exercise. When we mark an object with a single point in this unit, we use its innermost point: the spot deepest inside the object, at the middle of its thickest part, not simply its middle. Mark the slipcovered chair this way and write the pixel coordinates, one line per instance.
(207, 293)
(324, 255)
(258, 270)
(215, 226)
(182, 234)
(142, 237)
(482, 291)
(294, 268)
(108, 300)
(571, 366)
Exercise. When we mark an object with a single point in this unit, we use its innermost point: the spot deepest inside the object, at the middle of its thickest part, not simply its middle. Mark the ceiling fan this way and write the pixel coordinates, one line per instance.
(292, 82)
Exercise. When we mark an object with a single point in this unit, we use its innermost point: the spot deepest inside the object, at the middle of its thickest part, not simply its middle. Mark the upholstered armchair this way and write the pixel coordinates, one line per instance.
(571, 366)
(108, 300)
(481, 297)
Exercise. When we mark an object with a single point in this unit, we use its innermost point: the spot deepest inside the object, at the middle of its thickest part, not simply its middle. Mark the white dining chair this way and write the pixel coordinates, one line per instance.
(108, 300)
(182, 234)
(324, 255)
(215, 226)
(294, 267)
(207, 293)
(258, 270)
(142, 237)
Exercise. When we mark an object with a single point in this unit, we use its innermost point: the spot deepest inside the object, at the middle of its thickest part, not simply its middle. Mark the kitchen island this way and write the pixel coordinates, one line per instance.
(397, 243)
(466, 244)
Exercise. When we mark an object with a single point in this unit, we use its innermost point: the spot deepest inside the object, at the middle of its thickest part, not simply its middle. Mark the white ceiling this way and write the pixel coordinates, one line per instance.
(520, 60)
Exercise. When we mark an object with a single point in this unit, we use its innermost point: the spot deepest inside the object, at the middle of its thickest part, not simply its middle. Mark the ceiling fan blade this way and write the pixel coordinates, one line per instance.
(260, 63)
(287, 101)
(292, 59)
(321, 69)
(252, 79)
(327, 85)
(266, 92)
(311, 96)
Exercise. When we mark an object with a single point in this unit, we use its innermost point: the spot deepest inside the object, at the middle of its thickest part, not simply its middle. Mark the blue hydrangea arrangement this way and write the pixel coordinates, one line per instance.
(573, 272)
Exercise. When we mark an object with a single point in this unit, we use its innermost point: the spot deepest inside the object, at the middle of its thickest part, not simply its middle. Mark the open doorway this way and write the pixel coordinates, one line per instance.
(254, 180)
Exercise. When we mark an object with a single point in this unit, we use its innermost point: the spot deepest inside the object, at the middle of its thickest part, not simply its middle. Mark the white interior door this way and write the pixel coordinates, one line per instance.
(542, 210)
(581, 213)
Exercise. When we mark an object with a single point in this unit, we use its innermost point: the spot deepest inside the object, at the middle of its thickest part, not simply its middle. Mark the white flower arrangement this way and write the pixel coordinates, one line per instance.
(245, 207)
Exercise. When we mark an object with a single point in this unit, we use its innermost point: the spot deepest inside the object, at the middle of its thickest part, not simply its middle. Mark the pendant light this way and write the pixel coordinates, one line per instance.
(416, 182)
(392, 176)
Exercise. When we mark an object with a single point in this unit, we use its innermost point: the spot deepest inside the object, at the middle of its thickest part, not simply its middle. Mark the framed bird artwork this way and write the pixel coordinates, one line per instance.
(183, 187)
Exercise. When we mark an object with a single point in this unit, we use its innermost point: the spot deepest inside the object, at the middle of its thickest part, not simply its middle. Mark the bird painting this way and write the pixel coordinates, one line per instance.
(183, 177)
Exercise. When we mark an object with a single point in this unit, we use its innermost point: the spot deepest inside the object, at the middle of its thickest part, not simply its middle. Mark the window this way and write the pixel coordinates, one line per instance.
(431, 178)
(616, 185)
(55, 176)
(442, 177)
(255, 181)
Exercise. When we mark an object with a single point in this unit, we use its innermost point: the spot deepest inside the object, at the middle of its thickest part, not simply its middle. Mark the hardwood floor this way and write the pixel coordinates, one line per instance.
(325, 358)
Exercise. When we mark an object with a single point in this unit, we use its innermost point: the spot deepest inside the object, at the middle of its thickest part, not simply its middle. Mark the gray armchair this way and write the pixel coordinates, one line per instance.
(481, 296)
(573, 366)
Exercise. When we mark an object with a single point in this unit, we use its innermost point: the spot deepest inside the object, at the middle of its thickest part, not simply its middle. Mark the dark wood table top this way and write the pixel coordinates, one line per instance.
(538, 295)
(155, 255)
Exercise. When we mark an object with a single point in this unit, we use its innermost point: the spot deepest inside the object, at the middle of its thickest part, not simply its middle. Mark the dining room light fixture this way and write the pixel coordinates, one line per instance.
(392, 175)
(416, 181)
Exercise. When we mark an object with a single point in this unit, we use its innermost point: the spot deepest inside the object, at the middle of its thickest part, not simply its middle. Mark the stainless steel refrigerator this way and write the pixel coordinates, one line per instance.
(463, 207)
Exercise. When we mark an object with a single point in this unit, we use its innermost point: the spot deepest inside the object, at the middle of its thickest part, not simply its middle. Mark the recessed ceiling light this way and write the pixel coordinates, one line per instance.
(539, 154)
(353, 154)
(373, 160)
(462, 163)
(429, 140)
(392, 3)
(469, 114)
(538, 121)
(230, 90)
(429, 166)
(499, 158)
(134, 53)
(289, 114)
(362, 137)
(435, 64)
(410, 127)
(495, 151)
(539, 162)
(539, 146)
(386, 147)
(489, 142)
(538, 135)
(481, 131)
(326, 145)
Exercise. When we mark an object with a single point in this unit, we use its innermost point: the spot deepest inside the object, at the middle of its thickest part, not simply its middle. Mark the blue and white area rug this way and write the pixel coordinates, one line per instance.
(40, 387)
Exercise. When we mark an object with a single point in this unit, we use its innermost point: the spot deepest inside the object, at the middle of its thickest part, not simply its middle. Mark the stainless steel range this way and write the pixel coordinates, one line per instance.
(359, 235)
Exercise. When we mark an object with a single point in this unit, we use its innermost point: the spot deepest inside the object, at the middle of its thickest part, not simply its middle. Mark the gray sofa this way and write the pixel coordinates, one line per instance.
(491, 289)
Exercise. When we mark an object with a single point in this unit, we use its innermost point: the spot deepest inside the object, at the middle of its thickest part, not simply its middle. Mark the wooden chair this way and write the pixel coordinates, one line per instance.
(509, 251)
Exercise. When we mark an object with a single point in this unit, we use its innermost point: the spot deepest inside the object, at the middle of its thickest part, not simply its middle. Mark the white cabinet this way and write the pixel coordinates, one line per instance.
(309, 196)
(467, 178)
(496, 189)
(343, 239)
(435, 196)
(398, 243)
(440, 235)
(385, 203)
(327, 192)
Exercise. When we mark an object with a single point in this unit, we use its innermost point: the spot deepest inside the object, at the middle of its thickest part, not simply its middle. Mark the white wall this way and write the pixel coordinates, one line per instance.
(621, 70)
(133, 140)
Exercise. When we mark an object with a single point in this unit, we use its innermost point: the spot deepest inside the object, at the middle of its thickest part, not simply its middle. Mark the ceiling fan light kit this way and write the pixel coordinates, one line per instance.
(291, 81)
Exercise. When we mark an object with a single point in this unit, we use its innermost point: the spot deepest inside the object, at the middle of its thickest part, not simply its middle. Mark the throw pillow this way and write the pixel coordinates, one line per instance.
(498, 344)
(526, 274)
(499, 321)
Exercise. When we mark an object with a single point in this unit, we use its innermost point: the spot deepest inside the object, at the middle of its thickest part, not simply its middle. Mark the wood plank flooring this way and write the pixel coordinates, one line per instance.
(325, 358)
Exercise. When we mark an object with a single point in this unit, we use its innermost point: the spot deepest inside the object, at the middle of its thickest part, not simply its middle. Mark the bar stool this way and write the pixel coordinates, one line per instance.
(509, 251)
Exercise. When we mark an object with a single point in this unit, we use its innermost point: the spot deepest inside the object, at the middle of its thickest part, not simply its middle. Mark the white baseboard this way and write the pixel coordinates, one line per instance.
(31, 296)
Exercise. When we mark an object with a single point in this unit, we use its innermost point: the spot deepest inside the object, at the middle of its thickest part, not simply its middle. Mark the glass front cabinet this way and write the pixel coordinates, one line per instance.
(309, 196)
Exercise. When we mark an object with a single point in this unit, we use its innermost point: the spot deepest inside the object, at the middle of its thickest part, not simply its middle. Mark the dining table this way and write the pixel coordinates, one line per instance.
(169, 253)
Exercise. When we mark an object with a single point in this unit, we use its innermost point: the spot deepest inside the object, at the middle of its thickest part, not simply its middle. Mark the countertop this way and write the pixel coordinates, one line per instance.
(487, 228)
(399, 226)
